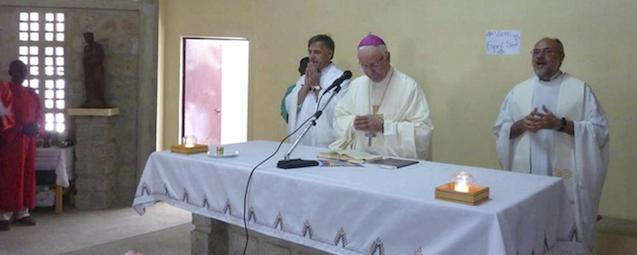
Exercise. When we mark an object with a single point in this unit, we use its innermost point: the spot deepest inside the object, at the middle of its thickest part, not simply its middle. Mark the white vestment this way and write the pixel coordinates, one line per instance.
(322, 134)
(581, 160)
(407, 126)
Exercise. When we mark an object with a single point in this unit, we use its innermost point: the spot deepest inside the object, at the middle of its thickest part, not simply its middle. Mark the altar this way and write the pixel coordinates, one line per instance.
(359, 210)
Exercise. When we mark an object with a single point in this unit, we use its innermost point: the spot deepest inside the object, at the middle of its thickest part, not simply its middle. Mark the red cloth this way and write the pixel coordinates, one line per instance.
(6, 121)
(17, 152)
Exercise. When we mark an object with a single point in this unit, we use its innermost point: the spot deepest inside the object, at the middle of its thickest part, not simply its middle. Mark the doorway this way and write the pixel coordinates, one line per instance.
(214, 89)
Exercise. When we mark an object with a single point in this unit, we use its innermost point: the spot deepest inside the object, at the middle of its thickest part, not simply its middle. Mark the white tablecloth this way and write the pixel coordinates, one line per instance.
(362, 210)
(58, 159)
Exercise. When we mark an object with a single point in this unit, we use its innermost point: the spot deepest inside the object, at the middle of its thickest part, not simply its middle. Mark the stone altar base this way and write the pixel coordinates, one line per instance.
(215, 237)
(95, 150)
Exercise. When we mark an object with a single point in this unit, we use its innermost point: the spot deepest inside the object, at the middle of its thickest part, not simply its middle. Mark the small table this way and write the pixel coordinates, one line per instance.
(59, 160)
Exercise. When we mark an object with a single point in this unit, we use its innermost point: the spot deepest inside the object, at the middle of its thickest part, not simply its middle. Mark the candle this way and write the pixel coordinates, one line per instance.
(189, 141)
(462, 181)
(461, 186)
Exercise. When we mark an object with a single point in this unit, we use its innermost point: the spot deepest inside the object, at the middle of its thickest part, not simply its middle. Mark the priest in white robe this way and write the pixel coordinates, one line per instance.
(385, 111)
(305, 98)
(552, 124)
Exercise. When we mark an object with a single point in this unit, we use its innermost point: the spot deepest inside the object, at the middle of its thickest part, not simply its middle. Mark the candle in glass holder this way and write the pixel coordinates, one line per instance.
(189, 141)
(461, 181)
(461, 187)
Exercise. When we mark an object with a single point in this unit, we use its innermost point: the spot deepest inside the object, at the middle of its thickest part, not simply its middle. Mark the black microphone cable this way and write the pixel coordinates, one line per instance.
(245, 195)
(346, 75)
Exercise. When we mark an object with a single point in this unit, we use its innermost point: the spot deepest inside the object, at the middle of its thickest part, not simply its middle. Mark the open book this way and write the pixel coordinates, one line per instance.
(349, 156)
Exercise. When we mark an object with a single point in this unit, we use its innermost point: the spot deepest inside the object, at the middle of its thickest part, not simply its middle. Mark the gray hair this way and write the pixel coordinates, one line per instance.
(326, 40)
(382, 48)
(560, 46)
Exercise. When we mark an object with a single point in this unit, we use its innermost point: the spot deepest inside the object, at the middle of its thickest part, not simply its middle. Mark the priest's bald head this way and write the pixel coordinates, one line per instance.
(547, 57)
(374, 57)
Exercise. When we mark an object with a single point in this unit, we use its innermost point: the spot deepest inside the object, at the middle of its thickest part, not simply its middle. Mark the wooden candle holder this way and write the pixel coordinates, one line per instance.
(476, 195)
(198, 148)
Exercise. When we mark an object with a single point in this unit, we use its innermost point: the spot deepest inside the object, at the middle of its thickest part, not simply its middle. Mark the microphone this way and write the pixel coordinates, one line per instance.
(337, 83)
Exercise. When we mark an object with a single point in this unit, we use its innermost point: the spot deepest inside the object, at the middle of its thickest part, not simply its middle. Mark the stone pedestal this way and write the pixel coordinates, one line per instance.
(209, 236)
(95, 150)
(214, 237)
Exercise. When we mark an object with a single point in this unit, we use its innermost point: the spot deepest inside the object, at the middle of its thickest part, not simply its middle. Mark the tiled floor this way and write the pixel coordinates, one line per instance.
(76, 230)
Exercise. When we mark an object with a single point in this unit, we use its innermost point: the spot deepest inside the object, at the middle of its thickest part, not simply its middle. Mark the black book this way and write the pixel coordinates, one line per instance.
(393, 162)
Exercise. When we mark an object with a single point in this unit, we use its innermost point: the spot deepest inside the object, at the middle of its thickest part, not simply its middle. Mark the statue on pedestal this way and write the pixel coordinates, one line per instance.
(93, 61)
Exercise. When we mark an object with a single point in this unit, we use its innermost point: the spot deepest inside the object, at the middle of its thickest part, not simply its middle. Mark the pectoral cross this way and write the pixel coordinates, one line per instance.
(371, 135)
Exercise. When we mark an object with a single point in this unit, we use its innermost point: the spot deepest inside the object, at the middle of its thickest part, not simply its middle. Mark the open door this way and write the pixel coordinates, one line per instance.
(214, 89)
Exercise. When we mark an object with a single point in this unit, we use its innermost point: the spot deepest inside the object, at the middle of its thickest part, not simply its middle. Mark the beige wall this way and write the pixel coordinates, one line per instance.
(441, 44)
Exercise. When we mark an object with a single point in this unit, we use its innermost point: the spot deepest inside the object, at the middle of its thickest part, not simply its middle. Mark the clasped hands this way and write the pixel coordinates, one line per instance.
(312, 78)
(369, 123)
(537, 120)
(31, 129)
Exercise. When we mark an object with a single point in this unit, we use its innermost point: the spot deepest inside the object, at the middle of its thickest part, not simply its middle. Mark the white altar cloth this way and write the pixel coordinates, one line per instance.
(362, 210)
(58, 159)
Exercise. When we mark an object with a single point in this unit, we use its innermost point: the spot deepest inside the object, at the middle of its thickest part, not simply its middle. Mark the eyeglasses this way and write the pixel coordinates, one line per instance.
(545, 51)
(373, 65)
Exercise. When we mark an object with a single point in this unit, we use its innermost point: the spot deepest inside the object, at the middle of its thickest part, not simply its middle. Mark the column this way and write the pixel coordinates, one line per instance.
(95, 150)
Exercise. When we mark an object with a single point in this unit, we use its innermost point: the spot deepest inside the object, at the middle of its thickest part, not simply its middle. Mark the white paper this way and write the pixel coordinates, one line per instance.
(503, 42)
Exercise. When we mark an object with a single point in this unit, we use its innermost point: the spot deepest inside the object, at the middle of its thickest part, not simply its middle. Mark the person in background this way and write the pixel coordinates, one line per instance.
(3, 108)
(302, 102)
(302, 65)
(6, 103)
(17, 152)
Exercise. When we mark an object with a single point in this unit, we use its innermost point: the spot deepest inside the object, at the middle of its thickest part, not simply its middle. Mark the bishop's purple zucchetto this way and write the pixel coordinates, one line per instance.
(371, 40)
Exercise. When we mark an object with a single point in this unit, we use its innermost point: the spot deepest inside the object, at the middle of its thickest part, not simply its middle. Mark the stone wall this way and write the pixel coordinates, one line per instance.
(95, 168)
(118, 30)
(213, 237)
(8, 39)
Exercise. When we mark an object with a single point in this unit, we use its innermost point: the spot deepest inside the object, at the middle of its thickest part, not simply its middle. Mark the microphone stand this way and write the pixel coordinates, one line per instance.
(288, 163)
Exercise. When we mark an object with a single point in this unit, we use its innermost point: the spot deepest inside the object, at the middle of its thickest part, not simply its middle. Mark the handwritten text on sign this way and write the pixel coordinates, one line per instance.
(503, 42)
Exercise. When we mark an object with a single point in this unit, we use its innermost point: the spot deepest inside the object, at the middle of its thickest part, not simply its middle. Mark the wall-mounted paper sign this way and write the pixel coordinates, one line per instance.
(503, 42)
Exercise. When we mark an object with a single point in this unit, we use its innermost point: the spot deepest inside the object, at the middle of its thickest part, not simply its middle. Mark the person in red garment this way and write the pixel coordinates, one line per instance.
(17, 152)
(6, 103)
